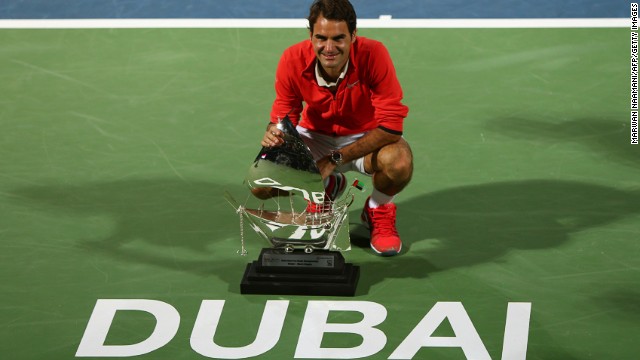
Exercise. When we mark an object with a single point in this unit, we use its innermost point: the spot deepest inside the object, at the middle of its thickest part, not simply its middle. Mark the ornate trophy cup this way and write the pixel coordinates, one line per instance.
(305, 230)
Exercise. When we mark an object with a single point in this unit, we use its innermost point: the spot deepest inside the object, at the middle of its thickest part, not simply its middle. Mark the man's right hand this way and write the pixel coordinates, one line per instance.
(273, 136)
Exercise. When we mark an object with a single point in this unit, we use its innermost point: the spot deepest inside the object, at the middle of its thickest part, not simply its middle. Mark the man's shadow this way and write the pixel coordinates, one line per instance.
(470, 225)
(184, 225)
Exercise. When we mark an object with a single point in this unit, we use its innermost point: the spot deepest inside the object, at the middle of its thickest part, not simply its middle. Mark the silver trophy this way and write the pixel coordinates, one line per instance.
(305, 229)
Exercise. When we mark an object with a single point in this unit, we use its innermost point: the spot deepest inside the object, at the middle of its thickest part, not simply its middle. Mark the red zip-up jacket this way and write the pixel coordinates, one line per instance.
(368, 97)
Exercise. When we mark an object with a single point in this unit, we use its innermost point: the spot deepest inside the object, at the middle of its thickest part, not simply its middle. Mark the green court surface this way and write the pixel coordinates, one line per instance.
(116, 147)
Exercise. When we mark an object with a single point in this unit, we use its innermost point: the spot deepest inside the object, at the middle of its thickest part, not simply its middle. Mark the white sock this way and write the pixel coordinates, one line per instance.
(378, 198)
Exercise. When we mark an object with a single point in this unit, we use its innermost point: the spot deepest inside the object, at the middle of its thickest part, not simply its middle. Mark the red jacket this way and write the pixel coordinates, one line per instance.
(369, 96)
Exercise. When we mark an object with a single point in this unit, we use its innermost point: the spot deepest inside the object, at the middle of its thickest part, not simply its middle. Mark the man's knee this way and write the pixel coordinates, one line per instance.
(396, 161)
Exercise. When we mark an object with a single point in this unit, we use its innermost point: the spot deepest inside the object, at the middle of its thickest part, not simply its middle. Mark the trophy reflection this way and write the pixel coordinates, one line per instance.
(305, 229)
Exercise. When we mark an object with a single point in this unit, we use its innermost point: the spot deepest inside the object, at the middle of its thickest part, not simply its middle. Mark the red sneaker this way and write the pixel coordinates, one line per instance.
(382, 223)
(334, 187)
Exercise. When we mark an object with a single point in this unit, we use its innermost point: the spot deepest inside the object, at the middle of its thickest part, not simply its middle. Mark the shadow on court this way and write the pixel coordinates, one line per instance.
(470, 225)
(609, 139)
(176, 225)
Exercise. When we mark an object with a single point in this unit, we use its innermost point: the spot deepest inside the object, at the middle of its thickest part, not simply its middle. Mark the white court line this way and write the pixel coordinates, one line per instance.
(384, 21)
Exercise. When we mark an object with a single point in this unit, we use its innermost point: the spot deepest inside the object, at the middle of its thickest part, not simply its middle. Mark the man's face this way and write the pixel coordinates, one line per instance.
(332, 44)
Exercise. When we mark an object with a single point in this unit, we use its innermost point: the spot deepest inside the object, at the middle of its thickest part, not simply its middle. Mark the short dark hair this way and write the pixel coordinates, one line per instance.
(337, 10)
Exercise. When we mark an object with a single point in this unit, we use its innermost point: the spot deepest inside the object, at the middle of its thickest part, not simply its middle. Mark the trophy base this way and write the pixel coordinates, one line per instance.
(321, 272)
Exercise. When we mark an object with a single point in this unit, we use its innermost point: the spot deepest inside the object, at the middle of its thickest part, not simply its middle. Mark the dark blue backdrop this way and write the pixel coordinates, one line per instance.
(80, 9)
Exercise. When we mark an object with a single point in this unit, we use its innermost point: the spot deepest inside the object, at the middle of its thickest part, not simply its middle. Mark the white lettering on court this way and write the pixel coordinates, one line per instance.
(315, 325)
(207, 323)
(92, 343)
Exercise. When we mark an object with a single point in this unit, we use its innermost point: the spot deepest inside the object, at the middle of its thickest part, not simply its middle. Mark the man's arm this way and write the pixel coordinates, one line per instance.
(288, 101)
(369, 143)
(386, 92)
